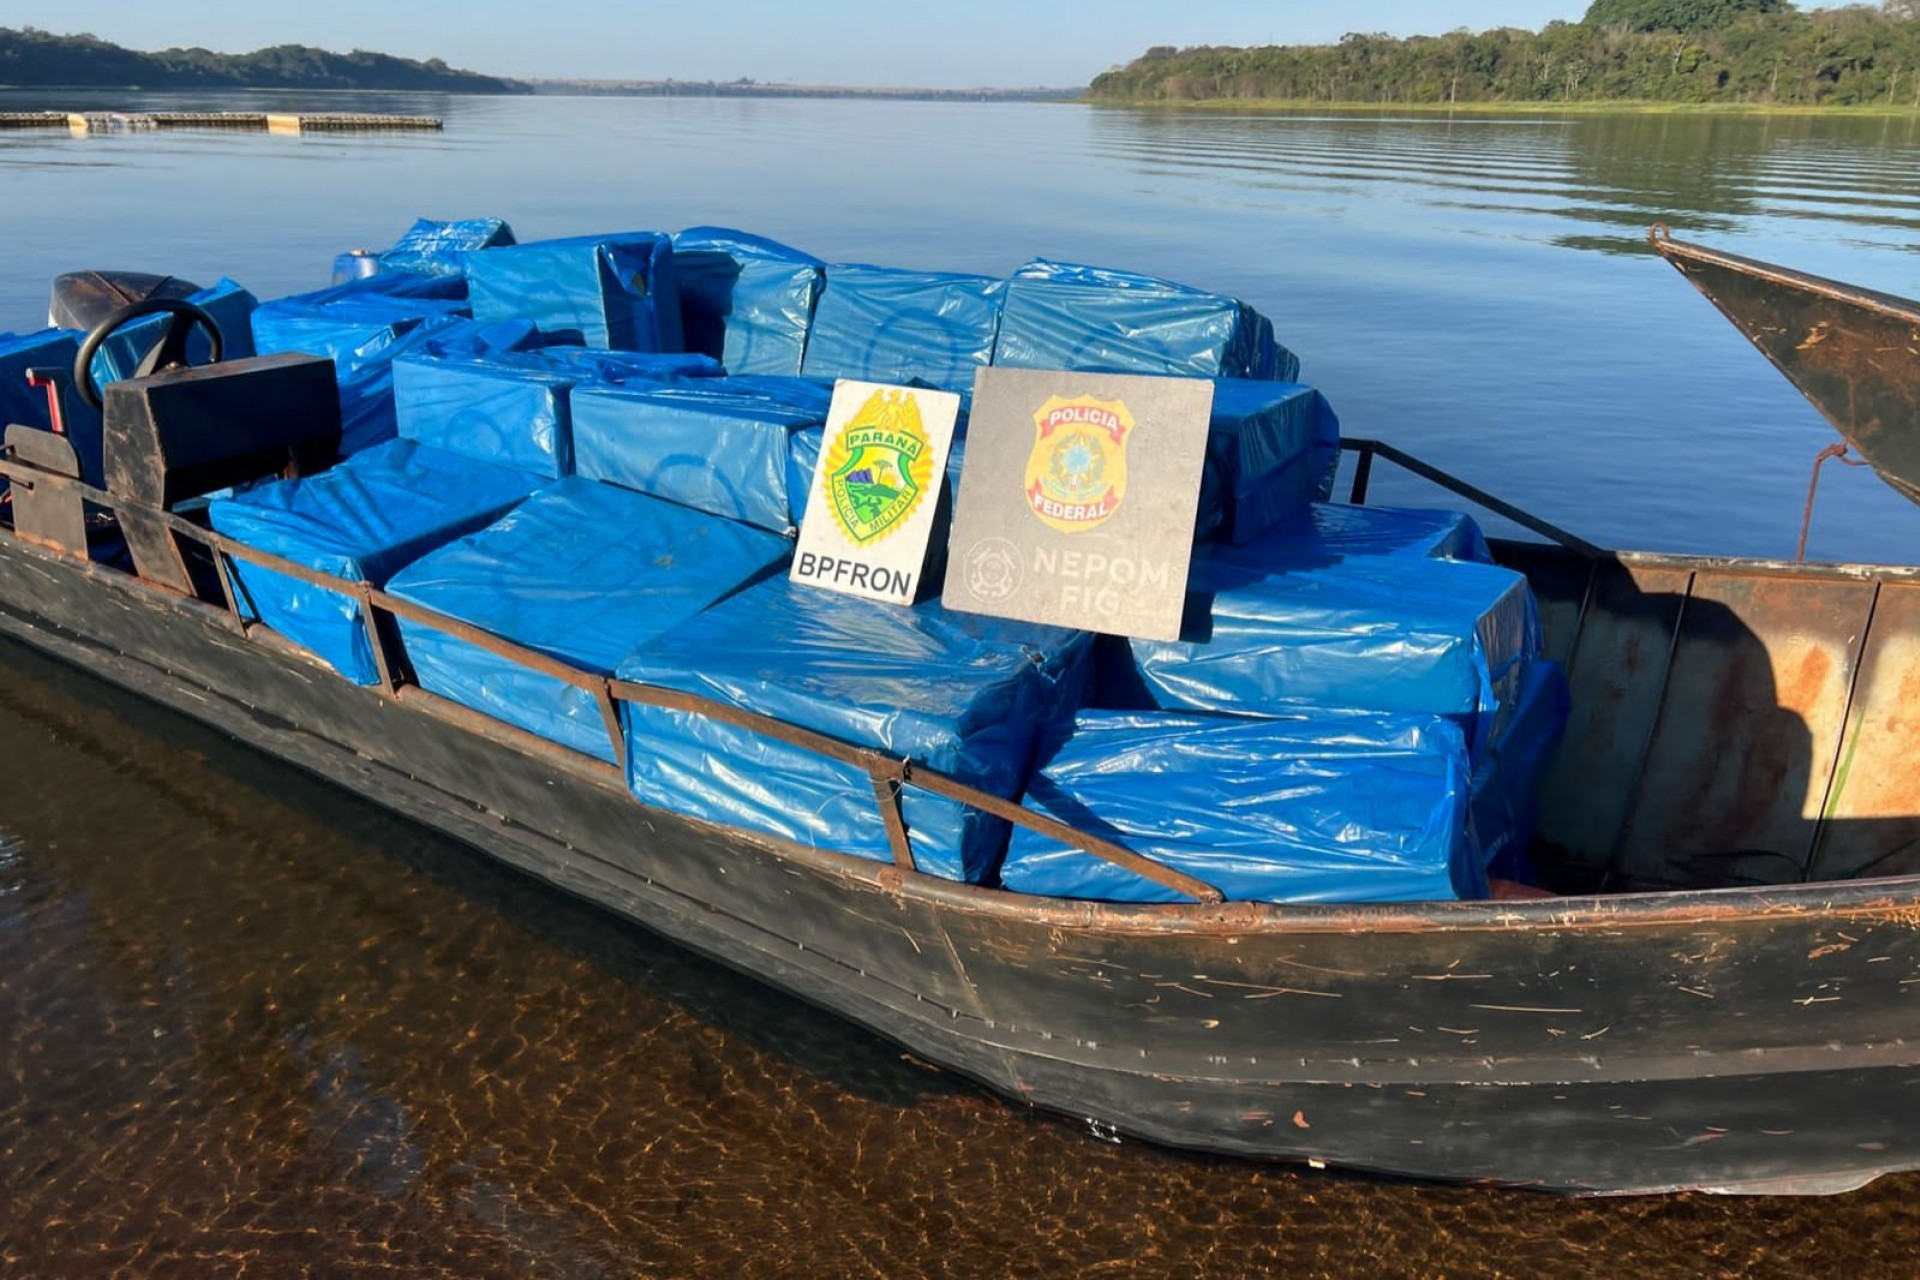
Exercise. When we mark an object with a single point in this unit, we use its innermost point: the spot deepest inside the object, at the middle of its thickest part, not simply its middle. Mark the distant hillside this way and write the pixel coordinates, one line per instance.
(1763, 52)
(38, 58)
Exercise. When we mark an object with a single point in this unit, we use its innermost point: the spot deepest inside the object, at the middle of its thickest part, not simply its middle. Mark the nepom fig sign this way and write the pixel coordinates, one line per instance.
(1078, 501)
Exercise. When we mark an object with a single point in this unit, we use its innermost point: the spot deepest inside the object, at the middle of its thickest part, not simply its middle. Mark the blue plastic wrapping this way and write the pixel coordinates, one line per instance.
(488, 410)
(361, 521)
(1328, 532)
(1338, 808)
(352, 331)
(430, 247)
(367, 413)
(390, 284)
(879, 324)
(1061, 315)
(612, 291)
(27, 405)
(959, 694)
(697, 444)
(1265, 453)
(616, 368)
(1373, 633)
(231, 307)
(1507, 778)
(746, 300)
(582, 572)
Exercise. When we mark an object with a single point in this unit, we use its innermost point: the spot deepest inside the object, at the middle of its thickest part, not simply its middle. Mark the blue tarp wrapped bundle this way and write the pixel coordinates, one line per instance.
(362, 520)
(1310, 808)
(1508, 776)
(487, 409)
(427, 248)
(1060, 315)
(367, 413)
(878, 324)
(612, 291)
(962, 695)
(1329, 532)
(1374, 633)
(746, 300)
(1268, 448)
(699, 444)
(582, 572)
(27, 405)
(617, 368)
(352, 331)
(435, 248)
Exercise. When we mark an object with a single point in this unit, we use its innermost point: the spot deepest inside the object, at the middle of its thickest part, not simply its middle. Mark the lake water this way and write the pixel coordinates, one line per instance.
(250, 1026)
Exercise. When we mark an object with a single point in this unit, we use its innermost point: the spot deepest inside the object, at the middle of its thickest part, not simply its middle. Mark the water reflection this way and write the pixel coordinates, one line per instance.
(1700, 173)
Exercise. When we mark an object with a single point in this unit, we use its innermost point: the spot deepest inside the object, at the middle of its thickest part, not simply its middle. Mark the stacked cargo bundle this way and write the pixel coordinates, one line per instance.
(881, 324)
(964, 695)
(745, 300)
(476, 437)
(617, 292)
(363, 328)
(1062, 315)
(427, 248)
(1357, 710)
(719, 445)
(581, 571)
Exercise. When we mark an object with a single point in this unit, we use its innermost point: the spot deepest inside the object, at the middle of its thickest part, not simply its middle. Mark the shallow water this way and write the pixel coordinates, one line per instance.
(249, 1026)
(255, 1027)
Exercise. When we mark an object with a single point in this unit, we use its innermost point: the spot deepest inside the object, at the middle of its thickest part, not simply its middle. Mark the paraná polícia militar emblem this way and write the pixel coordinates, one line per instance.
(879, 470)
(1077, 472)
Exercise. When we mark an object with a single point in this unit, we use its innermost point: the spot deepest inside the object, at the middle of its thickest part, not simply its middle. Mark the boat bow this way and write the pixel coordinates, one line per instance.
(1855, 353)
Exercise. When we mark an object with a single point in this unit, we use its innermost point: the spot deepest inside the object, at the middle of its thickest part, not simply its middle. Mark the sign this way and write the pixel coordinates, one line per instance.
(876, 490)
(1078, 500)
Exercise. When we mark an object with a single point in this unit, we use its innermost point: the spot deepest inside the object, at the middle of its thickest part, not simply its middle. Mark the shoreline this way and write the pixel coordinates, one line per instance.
(1622, 107)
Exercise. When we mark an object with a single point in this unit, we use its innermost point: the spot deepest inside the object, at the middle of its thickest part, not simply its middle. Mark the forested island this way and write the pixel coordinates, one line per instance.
(34, 58)
(1734, 52)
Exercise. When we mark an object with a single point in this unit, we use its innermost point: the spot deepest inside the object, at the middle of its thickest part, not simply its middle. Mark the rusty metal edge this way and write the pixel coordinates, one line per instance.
(1660, 236)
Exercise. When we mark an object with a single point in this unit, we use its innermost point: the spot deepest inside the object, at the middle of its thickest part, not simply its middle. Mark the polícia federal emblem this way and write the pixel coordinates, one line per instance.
(1077, 472)
(879, 470)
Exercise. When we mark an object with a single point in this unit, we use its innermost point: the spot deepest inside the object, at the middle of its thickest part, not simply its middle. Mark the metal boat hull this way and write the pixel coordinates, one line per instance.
(1855, 353)
(1743, 1040)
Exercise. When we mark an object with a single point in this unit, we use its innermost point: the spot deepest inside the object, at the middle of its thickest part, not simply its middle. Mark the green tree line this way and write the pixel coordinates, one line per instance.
(37, 58)
(1681, 51)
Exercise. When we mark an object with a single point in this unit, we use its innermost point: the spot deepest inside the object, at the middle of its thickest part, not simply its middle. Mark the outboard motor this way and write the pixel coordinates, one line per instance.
(174, 432)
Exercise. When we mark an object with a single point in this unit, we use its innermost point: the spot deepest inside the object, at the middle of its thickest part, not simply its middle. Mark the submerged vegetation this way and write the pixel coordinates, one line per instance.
(29, 56)
(1732, 52)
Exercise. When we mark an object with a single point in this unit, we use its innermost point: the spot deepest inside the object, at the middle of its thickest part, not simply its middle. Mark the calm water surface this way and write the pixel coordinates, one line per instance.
(249, 1026)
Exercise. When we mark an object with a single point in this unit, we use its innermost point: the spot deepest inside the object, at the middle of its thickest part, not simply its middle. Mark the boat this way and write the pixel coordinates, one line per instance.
(1718, 997)
(1849, 350)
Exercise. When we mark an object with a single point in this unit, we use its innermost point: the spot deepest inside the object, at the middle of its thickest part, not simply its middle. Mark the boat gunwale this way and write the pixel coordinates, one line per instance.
(1887, 304)
(1884, 897)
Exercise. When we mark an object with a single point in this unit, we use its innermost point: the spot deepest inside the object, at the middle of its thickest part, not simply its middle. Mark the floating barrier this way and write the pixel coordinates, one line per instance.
(249, 121)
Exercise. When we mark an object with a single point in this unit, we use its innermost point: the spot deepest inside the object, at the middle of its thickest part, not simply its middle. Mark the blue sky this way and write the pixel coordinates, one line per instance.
(979, 42)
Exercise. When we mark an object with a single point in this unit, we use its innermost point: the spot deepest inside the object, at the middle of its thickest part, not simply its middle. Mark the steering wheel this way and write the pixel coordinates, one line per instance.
(170, 352)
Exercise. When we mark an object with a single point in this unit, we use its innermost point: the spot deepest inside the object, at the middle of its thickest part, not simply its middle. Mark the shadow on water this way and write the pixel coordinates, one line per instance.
(255, 1026)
